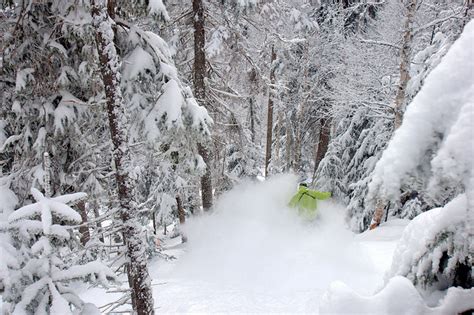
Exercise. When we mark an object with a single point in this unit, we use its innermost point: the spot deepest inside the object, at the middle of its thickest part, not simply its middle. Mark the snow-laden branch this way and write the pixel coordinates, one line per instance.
(9, 140)
(378, 42)
(437, 21)
(103, 273)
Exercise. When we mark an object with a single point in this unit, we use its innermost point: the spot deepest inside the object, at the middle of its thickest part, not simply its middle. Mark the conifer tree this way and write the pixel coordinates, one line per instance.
(41, 235)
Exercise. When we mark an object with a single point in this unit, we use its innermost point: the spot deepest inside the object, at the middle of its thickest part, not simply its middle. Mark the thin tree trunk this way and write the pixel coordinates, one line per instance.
(137, 270)
(289, 144)
(278, 127)
(252, 100)
(324, 134)
(98, 224)
(400, 98)
(404, 63)
(268, 153)
(83, 229)
(182, 217)
(300, 113)
(199, 74)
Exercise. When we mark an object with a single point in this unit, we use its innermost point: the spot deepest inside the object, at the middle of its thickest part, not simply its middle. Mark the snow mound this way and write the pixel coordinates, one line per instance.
(430, 234)
(398, 297)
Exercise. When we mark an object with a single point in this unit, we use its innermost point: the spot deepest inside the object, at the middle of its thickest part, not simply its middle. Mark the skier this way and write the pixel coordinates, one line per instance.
(306, 201)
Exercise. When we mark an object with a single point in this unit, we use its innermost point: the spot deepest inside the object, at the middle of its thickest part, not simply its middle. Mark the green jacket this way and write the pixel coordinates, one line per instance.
(305, 201)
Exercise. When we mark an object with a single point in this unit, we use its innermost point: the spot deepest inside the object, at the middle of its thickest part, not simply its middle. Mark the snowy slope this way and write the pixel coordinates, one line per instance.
(253, 254)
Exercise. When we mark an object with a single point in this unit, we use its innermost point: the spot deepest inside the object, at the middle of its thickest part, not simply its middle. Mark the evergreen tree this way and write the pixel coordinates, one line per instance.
(41, 234)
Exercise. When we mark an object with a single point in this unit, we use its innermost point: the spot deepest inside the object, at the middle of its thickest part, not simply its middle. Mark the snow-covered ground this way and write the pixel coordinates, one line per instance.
(253, 254)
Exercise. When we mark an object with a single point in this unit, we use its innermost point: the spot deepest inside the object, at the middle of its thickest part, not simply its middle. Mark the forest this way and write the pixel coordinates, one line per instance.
(236, 156)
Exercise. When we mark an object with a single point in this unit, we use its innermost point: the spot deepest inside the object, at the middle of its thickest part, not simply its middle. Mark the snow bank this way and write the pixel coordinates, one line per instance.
(420, 249)
(448, 91)
(398, 297)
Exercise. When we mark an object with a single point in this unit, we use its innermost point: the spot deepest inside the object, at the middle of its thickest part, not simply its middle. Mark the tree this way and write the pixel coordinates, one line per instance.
(137, 268)
(439, 116)
(41, 235)
(412, 11)
(269, 143)
(199, 74)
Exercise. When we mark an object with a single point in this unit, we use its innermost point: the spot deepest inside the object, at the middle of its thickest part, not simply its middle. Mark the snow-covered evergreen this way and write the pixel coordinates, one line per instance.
(40, 239)
(436, 247)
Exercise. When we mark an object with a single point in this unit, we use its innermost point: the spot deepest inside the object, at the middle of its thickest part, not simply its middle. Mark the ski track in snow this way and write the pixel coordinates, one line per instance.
(253, 254)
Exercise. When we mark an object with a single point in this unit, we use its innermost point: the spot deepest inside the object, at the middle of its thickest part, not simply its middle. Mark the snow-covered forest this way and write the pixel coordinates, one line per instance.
(154, 155)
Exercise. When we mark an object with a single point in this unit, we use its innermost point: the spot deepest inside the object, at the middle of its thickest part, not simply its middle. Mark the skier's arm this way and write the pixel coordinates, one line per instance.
(320, 195)
(294, 201)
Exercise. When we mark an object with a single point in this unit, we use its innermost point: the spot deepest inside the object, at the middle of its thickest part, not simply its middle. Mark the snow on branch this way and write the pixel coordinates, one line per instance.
(378, 42)
(420, 249)
(433, 112)
(103, 273)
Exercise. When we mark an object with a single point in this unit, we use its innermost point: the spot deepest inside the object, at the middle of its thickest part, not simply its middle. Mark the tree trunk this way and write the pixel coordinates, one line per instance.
(401, 92)
(277, 147)
(300, 117)
(182, 217)
(268, 153)
(289, 145)
(252, 100)
(137, 270)
(324, 134)
(252, 119)
(83, 229)
(98, 224)
(404, 63)
(199, 74)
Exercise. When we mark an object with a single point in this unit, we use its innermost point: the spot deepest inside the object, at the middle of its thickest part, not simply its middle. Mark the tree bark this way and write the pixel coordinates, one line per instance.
(98, 224)
(83, 229)
(199, 74)
(139, 280)
(404, 63)
(182, 217)
(400, 98)
(268, 153)
(324, 134)
(252, 119)
(252, 101)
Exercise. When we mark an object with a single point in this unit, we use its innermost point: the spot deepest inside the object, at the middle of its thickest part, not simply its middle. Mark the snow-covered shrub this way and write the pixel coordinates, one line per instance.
(40, 282)
(436, 249)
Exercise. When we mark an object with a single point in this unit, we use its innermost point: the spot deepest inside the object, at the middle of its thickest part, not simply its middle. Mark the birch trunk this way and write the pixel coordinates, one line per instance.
(404, 63)
(139, 280)
(405, 57)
